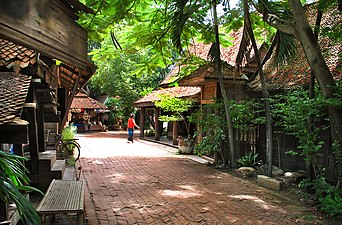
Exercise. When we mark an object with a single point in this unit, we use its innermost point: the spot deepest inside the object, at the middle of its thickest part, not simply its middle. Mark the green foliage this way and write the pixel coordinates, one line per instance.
(212, 123)
(328, 196)
(119, 110)
(301, 117)
(173, 104)
(176, 106)
(246, 114)
(118, 79)
(332, 205)
(13, 179)
(248, 160)
(69, 132)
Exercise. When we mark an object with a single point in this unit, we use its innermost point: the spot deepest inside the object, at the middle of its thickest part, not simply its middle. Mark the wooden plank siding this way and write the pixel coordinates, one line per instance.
(282, 143)
(47, 26)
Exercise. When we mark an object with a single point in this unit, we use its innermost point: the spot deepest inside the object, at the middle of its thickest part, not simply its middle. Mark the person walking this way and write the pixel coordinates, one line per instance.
(130, 127)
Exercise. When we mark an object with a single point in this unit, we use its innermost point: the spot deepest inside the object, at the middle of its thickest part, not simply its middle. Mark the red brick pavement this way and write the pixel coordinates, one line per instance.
(140, 183)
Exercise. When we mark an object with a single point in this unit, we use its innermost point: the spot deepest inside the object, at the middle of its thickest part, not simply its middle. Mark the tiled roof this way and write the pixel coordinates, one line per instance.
(201, 50)
(15, 56)
(13, 91)
(228, 54)
(207, 72)
(69, 74)
(297, 72)
(82, 101)
(18, 57)
(180, 91)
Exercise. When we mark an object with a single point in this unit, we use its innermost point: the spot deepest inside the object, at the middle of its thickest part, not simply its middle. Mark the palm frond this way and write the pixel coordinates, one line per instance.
(182, 11)
(286, 48)
(13, 178)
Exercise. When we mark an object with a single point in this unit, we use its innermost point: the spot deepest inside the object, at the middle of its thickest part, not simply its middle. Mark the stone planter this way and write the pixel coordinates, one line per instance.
(186, 146)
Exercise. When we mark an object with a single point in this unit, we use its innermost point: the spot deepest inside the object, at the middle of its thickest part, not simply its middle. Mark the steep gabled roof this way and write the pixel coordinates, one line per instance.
(201, 50)
(207, 72)
(296, 72)
(179, 92)
(228, 54)
(83, 101)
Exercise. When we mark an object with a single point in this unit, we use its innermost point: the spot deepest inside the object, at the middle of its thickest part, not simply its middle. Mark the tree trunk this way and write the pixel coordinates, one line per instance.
(218, 64)
(265, 95)
(323, 76)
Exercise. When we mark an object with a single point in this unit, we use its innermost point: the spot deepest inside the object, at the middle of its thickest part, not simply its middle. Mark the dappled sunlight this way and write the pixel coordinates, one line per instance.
(112, 147)
(256, 200)
(115, 178)
(188, 192)
(213, 177)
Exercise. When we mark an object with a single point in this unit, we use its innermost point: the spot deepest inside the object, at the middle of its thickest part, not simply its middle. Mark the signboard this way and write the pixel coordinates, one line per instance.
(47, 26)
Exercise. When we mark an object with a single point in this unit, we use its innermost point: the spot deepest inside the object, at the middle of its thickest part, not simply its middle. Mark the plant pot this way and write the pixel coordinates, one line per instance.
(186, 145)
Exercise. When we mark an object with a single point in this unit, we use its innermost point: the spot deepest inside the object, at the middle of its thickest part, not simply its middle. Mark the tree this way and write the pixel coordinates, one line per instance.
(117, 76)
(249, 36)
(216, 56)
(176, 106)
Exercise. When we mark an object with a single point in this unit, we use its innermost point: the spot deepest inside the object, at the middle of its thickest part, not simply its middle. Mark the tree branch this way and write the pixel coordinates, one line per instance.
(280, 24)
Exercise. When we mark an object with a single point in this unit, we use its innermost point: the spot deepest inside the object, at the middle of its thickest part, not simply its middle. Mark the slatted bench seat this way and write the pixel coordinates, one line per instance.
(63, 197)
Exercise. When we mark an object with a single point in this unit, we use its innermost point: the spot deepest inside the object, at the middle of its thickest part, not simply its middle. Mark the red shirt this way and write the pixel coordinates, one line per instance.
(130, 123)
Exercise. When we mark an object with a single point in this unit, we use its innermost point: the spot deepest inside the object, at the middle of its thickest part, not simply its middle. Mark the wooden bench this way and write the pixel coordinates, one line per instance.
(63, 197)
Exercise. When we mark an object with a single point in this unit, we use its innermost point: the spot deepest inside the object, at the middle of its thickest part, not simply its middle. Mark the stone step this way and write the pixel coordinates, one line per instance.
(59, 165)
(47, 159)
(56, 172)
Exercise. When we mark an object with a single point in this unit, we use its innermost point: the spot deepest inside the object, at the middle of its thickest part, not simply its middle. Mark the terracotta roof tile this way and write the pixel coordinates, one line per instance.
(201, 50)
(228, 54)
(181, 91)
(82, 101)
(13, 89)
(10, 52)
(297, 72)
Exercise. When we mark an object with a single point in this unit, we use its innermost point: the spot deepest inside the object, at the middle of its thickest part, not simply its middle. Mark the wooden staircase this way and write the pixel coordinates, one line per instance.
(49, 168)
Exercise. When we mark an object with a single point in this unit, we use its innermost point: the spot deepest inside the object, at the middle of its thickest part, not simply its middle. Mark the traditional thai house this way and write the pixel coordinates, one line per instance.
(151, 112)
(205, 79)
(36, 90)
(290, 76)
(87, 114)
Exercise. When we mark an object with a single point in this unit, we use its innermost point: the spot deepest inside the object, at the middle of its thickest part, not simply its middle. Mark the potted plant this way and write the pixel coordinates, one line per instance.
(176, 107)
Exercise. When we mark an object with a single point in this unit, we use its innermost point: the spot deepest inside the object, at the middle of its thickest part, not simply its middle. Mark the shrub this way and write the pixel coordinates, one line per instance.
(248, 160)
(328, 197)
(69, 132)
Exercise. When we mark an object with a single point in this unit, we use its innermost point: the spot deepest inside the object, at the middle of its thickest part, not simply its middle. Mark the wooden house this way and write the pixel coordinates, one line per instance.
(292, 75)
(204, 79)
(43, 64)
(146, 104)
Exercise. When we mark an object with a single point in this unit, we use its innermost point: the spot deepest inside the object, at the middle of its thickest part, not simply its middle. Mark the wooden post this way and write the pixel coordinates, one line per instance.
(71, 97)
(33, 140)
(18, 149)
(142, 122)
(175, 132)
(157, 124)
(3, 211)
(40, 128)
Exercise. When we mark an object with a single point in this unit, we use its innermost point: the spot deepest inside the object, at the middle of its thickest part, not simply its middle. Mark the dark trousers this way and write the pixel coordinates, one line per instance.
(130, 134)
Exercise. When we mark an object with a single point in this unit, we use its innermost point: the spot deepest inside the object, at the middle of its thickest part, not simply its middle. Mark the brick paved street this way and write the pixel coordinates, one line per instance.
(142, 183)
